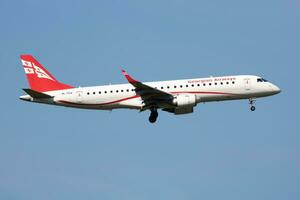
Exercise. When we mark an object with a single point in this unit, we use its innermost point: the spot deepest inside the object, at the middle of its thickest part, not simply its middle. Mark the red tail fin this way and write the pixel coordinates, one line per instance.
(38, 77)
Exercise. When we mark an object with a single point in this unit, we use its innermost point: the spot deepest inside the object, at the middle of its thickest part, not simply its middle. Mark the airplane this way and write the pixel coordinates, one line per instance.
(174, 96)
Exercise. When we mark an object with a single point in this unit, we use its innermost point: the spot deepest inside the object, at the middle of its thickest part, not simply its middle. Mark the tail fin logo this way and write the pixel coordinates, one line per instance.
(31, 68)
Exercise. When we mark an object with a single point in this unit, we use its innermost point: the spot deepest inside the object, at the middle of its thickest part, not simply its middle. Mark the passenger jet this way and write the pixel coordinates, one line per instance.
(175, 96)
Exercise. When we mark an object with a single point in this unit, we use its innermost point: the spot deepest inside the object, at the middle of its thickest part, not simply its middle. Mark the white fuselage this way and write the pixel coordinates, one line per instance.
(110, 97)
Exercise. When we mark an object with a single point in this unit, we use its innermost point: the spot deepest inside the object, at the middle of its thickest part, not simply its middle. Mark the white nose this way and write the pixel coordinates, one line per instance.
(276, 89)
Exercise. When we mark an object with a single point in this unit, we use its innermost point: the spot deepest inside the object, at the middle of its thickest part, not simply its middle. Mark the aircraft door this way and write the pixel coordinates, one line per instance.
(247, 82)
(79, 96)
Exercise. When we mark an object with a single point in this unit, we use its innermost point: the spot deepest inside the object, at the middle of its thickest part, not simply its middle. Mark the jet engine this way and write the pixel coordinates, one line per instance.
(185, 100)
(184, 104)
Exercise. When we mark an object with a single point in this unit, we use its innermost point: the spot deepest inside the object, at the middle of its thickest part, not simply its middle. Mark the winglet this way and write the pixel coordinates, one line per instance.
(128, 77)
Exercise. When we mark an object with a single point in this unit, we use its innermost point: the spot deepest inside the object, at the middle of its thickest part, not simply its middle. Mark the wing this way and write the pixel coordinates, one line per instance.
(152, 97)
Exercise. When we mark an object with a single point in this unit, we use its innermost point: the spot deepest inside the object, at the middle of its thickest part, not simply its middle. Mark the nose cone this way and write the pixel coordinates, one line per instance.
(275, 89)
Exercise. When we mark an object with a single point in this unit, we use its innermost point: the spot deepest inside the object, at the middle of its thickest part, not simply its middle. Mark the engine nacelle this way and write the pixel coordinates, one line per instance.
(184, 104)
(185, 100)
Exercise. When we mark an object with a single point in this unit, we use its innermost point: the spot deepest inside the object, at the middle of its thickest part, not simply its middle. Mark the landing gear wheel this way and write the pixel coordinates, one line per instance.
(153, 116)
(152, 119)
(251, 102)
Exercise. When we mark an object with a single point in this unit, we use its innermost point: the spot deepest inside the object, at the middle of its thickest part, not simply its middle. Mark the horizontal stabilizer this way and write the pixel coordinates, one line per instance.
(36, 94)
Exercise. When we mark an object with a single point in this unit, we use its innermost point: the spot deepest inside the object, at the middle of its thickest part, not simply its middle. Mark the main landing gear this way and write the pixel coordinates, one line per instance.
(251, 102)
(153, 115)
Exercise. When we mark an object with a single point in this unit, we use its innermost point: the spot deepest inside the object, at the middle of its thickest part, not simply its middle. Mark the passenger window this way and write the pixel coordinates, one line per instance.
(181, 86)
(216, 83)
(204, 84)
(88, 93)
(221, 83)
(99, 92)
(127, 90)
(233, 82)
(187, 86)
(209, 83)
(105, 92)
(175, 86)
(198, 85)
(192, 85)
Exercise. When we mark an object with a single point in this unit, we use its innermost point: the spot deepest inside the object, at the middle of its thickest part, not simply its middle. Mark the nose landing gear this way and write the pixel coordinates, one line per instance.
(251, 102)
(153, 115)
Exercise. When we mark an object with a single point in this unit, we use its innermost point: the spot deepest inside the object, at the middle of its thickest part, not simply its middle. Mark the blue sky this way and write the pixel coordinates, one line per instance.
(222, 151)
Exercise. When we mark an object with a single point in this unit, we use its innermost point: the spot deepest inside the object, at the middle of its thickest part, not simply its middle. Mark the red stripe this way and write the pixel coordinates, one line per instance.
(101, 104)
(136, 96)
(223, 93)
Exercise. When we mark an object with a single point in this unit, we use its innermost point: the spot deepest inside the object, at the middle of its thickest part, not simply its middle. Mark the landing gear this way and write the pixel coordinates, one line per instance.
(153, 115)
(251, 102)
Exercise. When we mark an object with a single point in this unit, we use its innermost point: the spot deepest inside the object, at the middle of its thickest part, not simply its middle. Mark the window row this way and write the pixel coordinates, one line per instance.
(111, 91)
(168, 87)
(198, 85)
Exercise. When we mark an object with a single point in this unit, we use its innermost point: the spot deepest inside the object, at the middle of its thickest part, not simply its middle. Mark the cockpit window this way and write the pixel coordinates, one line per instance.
(261, 80)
